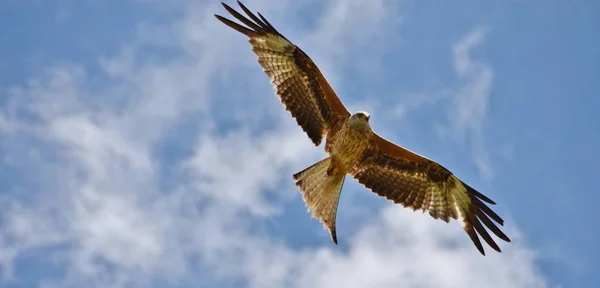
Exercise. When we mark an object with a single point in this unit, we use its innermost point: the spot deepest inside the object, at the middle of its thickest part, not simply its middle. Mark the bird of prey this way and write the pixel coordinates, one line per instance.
(353, 148)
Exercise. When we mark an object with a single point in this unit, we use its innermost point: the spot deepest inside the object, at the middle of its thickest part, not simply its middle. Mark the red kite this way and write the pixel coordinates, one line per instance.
(385, 168)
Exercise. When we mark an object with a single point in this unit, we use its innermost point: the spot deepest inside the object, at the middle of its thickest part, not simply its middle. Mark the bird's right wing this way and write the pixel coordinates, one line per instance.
(298, 82)
(416, 182)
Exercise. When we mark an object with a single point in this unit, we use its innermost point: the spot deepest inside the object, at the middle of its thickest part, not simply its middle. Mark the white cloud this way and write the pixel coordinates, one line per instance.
(466, 102)
(471, 99)
(406, 247)
(104, 197)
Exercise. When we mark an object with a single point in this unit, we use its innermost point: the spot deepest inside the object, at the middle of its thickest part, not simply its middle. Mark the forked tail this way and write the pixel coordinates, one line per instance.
(321, 193)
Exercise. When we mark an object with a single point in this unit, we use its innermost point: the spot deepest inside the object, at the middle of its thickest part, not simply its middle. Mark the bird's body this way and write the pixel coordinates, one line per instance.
(347, 146)
(354, 149)
(321, 184)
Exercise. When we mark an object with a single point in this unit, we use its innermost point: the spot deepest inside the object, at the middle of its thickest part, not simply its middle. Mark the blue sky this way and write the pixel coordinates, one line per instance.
(142, 145)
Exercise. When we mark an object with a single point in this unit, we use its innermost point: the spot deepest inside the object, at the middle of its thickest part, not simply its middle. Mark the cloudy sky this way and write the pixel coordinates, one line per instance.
(141, 145)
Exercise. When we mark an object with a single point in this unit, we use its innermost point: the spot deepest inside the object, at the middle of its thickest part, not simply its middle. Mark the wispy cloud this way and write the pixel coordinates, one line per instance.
(110, 206)
(471, 100)
(465, 101)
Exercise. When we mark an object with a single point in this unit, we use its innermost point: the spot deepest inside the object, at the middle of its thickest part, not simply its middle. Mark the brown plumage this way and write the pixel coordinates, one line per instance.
(416, 182)
(393, 172)
(298, 82)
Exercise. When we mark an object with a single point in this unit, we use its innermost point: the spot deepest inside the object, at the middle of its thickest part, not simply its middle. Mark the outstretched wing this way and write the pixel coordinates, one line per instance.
(414, 181)
(298, 82)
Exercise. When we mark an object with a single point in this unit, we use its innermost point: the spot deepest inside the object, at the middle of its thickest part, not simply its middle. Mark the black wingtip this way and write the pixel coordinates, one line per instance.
(490, 225)
(220, 18)
(225, 5)
(333, 235)
(241, 4)
(478, 194)
(474, 238)
(484, 234)
(487, 210)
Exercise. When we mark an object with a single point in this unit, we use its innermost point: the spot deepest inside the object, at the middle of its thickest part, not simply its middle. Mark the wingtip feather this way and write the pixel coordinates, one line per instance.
(334, 236)
(235, 26)
(474, 238)
(490, 225)
(484, 234)
(478, 194)
(489, 212)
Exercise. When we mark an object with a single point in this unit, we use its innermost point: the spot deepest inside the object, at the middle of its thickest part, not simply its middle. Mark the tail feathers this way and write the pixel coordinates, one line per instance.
(321, 193)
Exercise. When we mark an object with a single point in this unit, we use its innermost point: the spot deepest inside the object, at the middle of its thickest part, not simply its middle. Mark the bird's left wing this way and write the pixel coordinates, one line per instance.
(301, 87)
(416, 182)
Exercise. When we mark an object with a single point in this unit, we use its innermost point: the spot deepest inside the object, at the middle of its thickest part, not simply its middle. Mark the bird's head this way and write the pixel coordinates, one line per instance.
(360, 119)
